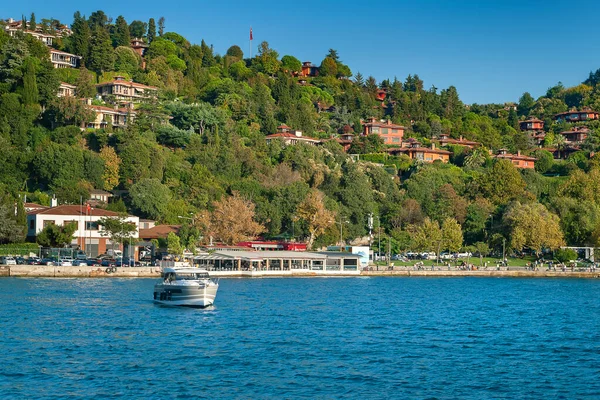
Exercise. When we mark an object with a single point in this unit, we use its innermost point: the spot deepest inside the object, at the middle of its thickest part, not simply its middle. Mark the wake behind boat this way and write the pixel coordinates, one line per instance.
(188, 287)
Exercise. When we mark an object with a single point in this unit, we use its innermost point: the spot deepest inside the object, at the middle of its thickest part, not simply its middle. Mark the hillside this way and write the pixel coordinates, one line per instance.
(175, 129)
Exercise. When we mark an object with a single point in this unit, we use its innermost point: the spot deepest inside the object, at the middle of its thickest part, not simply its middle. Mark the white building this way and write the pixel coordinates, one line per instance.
(88, 235)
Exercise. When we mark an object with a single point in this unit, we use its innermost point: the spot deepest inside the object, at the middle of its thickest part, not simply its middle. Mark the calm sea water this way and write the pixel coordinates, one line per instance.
(370, 338)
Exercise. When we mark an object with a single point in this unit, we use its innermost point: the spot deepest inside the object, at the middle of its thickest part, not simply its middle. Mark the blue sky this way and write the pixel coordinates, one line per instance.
(492, 51)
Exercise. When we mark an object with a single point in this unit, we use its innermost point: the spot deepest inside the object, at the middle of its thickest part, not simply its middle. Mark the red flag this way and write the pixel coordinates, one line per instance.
(251, 37)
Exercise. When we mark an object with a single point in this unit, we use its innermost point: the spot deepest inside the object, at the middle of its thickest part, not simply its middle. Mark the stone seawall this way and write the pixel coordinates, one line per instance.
(43, 271)
(490, 273)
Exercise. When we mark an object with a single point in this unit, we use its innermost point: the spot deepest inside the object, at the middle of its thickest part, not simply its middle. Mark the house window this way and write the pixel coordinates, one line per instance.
(72, 222)
(48, 222)
(394, 130)
(375, 129)
(384, 131)
(396, 140)
(91, 225)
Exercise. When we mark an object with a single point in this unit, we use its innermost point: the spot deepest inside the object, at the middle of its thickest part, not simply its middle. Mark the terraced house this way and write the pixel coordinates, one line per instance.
(123, 90)
(390, 133)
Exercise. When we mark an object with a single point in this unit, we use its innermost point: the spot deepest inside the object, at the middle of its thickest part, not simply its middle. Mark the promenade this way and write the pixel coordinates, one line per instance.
(42, 271)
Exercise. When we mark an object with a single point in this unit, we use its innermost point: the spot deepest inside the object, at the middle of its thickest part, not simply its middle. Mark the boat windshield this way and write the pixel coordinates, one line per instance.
(191, 276)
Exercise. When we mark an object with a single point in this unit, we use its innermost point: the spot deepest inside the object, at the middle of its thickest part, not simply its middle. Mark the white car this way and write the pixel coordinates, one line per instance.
(64, 263)
(8, 261)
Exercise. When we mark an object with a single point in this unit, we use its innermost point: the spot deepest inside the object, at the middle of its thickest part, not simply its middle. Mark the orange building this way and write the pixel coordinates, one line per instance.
(532, 124)
(308, 69)
(517, 160)
(390, 133)
(424, 154)
(345, 140)
(290, 137)
(576, 116)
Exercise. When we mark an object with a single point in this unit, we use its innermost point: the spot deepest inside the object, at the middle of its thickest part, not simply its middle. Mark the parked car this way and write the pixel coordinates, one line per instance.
(8, 261)
(47, 261)
(108, 262)
(64, 262)
(34, 260)
(21, 260)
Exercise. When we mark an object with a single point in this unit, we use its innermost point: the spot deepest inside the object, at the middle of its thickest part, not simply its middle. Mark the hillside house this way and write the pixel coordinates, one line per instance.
(531, 124)
(415, 151)
(518, 160)
(66, 90)
(576, 135)
(290, 137)
(88, 235)
(62, 59)
(577, 116)
(126, 91)
(345, 140)
(138, 46)
(309, 70)
(390, 133)
(445, 140)
(98, 196)
(114, 117)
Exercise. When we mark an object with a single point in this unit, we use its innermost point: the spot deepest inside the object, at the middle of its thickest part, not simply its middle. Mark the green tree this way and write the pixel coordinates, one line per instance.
(30, 91)
(482, 250)
(174, 244)
(501, 183)
(10, 229)
(235, 52)
(151, 30)
(54, 235)
(85, 87)
(121, 36)
(79, 42)
(151, 198)
(328, 67)
(318, 218)
(127, 60)
(532, 225)
(291, 64)
(526, 103)
(117, 228)
(137, 29)
(32, 23)
(161, 26)
(268, 59)
(101, 52)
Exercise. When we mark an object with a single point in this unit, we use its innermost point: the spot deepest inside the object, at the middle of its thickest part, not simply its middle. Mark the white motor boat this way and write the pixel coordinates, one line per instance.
(187, 287)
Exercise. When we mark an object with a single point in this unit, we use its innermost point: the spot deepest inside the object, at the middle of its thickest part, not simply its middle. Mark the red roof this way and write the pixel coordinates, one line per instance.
(74, 210)
(417, 150)
(159, 231)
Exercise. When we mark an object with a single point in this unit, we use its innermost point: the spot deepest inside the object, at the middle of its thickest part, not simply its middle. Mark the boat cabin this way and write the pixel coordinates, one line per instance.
(187, 274)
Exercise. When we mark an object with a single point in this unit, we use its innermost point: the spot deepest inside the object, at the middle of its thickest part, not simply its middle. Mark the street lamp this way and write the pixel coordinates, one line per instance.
(342, 231)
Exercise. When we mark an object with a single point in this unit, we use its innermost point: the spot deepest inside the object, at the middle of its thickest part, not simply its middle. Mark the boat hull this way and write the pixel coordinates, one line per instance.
(185, 296)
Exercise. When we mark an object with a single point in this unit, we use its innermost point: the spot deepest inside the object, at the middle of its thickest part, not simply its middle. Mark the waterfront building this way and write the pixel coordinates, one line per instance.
(88, 236)
(278, 261)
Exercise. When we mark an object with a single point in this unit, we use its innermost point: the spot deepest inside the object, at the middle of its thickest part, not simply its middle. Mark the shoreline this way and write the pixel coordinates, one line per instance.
(42, 271)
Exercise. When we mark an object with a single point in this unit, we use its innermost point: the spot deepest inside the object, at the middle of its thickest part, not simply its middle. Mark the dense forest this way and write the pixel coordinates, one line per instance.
(199, 147)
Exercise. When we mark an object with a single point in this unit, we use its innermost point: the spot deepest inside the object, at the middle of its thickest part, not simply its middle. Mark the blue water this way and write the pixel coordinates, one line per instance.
(370, 338)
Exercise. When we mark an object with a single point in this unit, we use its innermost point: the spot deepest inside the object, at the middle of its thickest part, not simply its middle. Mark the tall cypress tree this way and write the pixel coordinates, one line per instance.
(79, 41)
(30, 91)
(161, 26)
(32, 23)
(121, 36)
(102, 56)
(151, 30)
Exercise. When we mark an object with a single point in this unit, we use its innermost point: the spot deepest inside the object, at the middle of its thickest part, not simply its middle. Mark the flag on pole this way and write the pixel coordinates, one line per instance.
(88, 207)
(251, 37)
